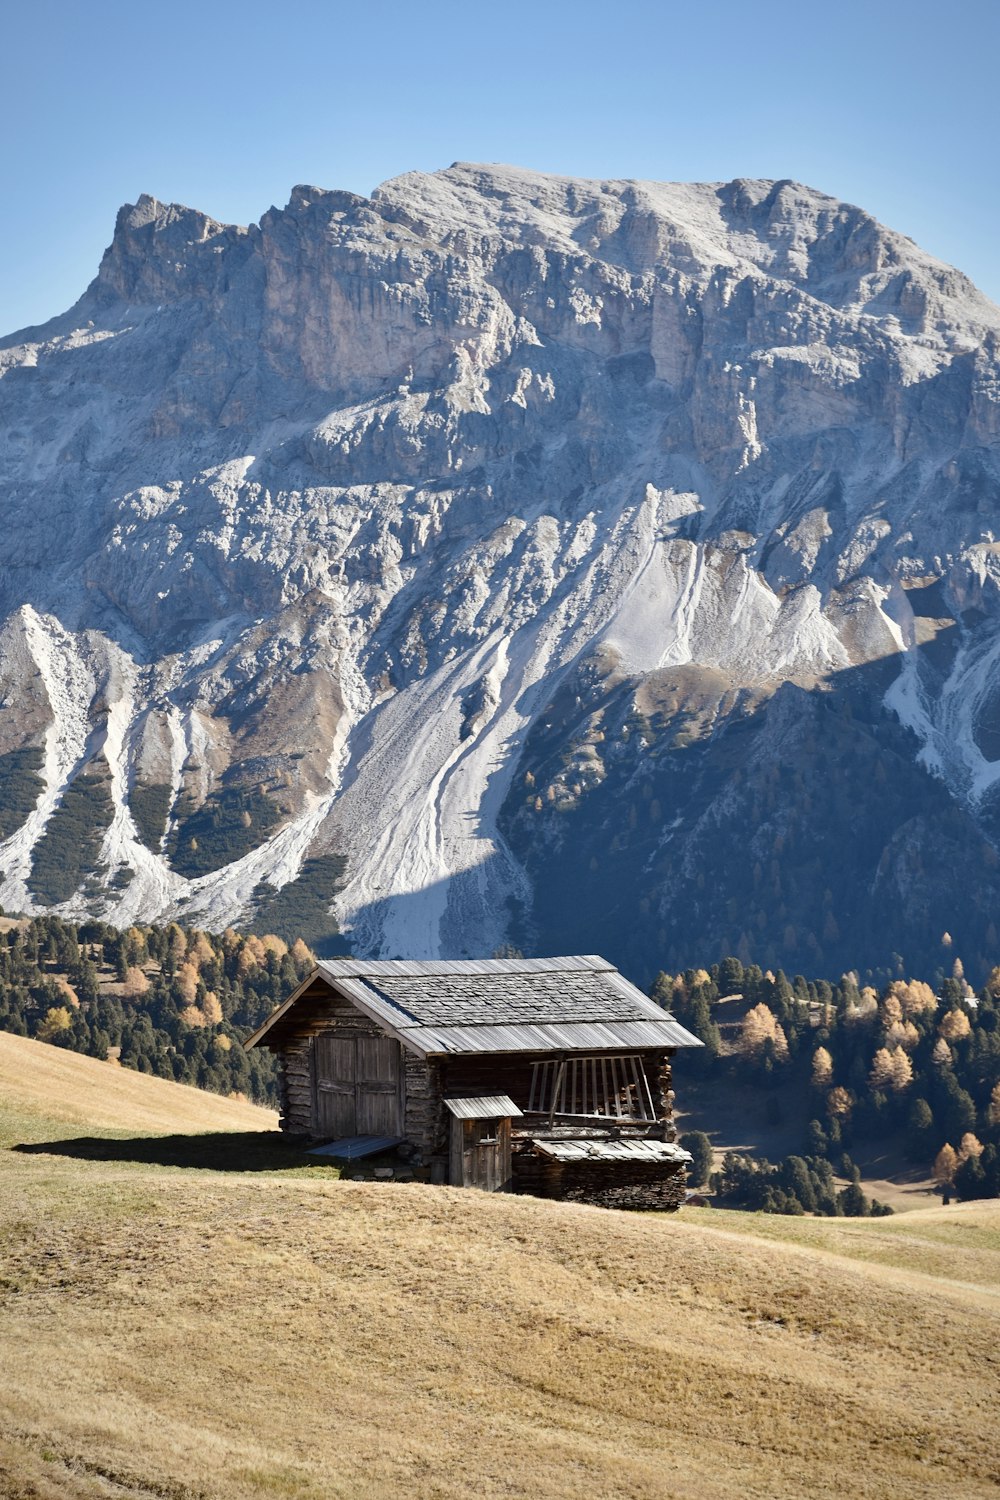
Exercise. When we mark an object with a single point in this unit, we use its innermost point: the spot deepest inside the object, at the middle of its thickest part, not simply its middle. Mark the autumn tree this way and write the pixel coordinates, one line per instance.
(902, 1034)
(135, 984)
(968, 1146)
(822, 1068)
(301, 953)
(211, 1009)
(881, 1074)
(760, 1027)
(136, 949)
(839, 1103)
(56, 1020)
(863, 1007)
(253, 956)
(187, 981)
(914, 996)
(945, 1166)
(176, 943)
(954, 1025)
(902, 1071)
(200, 950)
(941, 1054)
(892, 1010)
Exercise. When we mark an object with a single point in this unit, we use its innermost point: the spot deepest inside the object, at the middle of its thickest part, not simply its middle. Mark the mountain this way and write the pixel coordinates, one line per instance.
(602, 565)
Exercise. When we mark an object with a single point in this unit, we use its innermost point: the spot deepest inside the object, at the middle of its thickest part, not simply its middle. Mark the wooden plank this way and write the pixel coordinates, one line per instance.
(649, 1095)
(378, 1076)
(456, 1155)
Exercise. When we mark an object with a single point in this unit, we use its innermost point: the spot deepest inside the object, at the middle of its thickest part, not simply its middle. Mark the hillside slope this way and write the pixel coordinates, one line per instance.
(191, 1334)
(549, 551)
(44, 1087)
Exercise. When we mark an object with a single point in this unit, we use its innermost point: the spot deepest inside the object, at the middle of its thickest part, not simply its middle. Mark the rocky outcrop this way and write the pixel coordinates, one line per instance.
(425, 531)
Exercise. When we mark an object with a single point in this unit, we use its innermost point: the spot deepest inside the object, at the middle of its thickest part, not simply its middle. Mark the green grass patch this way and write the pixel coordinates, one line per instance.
(20, 786)
(302, 907)
(70, 847)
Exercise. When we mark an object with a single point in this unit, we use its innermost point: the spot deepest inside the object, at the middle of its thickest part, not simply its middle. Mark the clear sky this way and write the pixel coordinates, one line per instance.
(225, 104)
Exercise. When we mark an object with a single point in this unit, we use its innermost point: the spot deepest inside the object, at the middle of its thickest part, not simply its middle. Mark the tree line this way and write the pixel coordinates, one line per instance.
(907, 1061)
(171, 1001)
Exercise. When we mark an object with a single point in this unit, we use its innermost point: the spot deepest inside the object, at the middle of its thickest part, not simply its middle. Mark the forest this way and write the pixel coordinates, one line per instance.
(169, 1001)
(919, 1064)
(903, 1061)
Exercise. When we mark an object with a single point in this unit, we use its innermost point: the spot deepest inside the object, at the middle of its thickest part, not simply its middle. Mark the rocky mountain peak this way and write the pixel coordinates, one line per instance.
(421, 555)
(163, 252)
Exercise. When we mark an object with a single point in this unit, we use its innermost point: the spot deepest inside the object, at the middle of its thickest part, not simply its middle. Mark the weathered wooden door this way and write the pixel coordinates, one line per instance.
(480, 1154)
(358, 1086)
(334, 1060)
(378, 1093)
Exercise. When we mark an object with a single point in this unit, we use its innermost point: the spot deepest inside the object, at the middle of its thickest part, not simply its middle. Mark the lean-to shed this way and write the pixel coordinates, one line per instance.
(549, 1076)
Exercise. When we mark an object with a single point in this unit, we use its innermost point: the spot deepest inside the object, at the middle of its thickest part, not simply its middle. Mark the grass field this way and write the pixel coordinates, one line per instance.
(177, 1330)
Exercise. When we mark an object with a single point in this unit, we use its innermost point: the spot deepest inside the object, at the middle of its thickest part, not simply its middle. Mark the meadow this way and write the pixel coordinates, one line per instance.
(257, 1327)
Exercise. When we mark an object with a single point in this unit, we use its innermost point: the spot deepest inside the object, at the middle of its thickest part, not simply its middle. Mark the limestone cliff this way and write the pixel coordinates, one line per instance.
(607, 565)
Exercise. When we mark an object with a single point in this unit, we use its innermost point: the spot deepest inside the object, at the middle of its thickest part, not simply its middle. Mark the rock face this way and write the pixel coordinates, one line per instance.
(605, 566)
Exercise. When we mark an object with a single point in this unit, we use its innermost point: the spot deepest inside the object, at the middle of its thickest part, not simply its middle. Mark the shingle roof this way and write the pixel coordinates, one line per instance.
(575, 1004)
(485, 999)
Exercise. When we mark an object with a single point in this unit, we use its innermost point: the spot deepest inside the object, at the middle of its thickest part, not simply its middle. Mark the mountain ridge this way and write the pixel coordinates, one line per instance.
(343, 501)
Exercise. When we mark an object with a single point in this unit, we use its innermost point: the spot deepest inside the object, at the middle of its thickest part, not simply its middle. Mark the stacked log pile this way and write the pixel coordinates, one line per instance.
(631, 1184)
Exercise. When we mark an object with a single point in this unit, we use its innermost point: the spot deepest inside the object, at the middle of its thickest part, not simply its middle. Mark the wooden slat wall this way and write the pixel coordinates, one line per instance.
(483, 1073)
(328, 1014)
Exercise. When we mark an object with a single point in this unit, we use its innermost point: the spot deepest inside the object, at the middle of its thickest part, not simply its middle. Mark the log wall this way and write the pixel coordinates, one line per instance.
(425, 1119)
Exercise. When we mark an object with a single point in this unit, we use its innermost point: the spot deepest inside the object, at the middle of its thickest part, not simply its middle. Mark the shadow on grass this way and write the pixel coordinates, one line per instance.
(218, 1151)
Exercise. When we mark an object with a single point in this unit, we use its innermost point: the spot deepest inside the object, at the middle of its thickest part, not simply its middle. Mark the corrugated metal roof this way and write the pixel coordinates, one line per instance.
(418, 968)
(607, 1150)
(483, 1107)
(590, 1037)
(574, 1004)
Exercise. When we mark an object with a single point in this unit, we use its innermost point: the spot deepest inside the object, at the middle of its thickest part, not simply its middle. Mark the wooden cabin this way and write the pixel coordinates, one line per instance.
(549, 1076)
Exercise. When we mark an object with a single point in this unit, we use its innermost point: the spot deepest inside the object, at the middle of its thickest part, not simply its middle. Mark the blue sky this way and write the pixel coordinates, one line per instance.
(224, 106)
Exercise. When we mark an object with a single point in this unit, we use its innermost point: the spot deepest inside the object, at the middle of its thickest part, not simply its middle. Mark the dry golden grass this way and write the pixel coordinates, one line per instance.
(42, 1086)
(177, 1334)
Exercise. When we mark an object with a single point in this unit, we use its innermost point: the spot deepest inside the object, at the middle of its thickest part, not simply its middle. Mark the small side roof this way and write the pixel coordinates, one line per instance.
(435, 1007)
(484, 1107)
